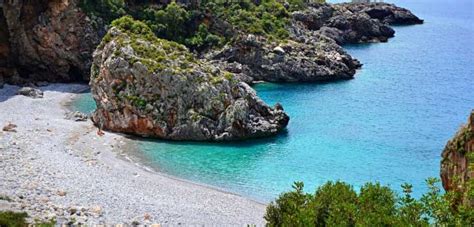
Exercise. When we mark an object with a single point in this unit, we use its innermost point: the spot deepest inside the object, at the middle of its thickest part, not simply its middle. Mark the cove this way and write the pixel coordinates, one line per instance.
(389, 124)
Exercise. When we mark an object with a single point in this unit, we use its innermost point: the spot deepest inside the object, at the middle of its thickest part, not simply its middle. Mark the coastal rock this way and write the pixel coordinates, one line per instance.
(45, 41)
(77, 116)
(30, 92)
(319, 59)
(10, 127)
(457, 165)
(352, 23)
(385, 12)
(156, 88)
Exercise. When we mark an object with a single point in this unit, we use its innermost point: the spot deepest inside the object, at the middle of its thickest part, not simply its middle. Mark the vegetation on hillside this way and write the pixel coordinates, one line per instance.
(108, 10)
(162, 54)
(338, 204)
(191, 24)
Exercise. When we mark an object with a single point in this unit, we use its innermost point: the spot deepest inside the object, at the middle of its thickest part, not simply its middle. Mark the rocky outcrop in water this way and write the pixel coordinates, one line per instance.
(290, 61)
(313, 52)
(352, 23)
(45, 41)
(457, 164)
(156, 88)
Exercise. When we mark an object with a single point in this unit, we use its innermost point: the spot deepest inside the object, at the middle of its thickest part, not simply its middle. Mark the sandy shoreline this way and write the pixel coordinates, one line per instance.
(57, 168)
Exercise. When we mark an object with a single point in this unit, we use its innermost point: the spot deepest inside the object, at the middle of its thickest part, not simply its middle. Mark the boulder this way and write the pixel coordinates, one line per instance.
(457, 164)
(30, 92)
(77, 116)
(10, 127)
(156, 88)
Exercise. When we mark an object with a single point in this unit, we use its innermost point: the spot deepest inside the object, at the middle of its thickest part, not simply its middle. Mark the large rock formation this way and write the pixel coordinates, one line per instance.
(313, 51)
(290, 61)
(352, 23)
(54, 40)
(457, 165)
(50, 40)
(152, 87)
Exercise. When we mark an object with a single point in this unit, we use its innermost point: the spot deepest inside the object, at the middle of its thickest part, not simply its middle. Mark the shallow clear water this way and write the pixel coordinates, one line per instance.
(389, 124)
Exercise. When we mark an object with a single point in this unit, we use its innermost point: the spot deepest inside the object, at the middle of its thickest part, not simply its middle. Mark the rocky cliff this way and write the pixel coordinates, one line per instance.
(50, 40)
(157, 88)
(457, 165)
(54, 40)
(313, 51)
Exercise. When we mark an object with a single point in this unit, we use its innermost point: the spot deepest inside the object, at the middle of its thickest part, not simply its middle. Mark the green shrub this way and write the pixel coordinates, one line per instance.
(270, 18)
(291, 208)
(376, 205)
(13, 219)
(203, 39)
(337, 204)
(108, 10)
(169, 23)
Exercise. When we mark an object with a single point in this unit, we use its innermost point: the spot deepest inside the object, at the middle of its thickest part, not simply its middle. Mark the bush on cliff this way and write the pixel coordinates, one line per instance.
(269, 18)
(108, 10)
(178, 24)
(338, 204)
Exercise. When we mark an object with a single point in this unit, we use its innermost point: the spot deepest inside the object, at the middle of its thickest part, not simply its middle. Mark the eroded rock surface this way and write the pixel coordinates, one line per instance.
(457, 164)
(313, 51)
(319, 59)
(152, 87)
(45, 41)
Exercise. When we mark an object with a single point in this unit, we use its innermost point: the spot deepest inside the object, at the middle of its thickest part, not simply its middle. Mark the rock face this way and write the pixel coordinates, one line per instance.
(291, 61)
(156, 88)
(352, 23)
(54, 40)
(457, 164)
(45, 41)
(313, 51)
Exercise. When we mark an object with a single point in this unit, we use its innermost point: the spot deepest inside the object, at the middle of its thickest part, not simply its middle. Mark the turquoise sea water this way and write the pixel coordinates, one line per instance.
(389, 124)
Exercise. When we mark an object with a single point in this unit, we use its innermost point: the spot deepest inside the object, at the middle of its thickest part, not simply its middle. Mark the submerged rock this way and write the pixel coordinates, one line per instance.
(457, 164)
(156, 88)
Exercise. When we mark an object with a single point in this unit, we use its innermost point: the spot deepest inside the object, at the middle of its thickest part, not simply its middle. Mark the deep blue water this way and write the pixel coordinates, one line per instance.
(389, 124)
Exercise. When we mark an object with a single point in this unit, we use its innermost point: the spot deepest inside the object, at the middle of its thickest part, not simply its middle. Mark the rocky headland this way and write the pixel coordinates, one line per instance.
(156, 88)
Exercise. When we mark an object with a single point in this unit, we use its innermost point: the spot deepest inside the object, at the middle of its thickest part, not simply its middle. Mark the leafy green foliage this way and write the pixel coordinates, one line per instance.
(108, 10)
(18, 219)
(337, 204)
(168, 23)
(176, 23)
(203, 39)
(13, 219)
(269, 18)
(291, 208)
(162, 54)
